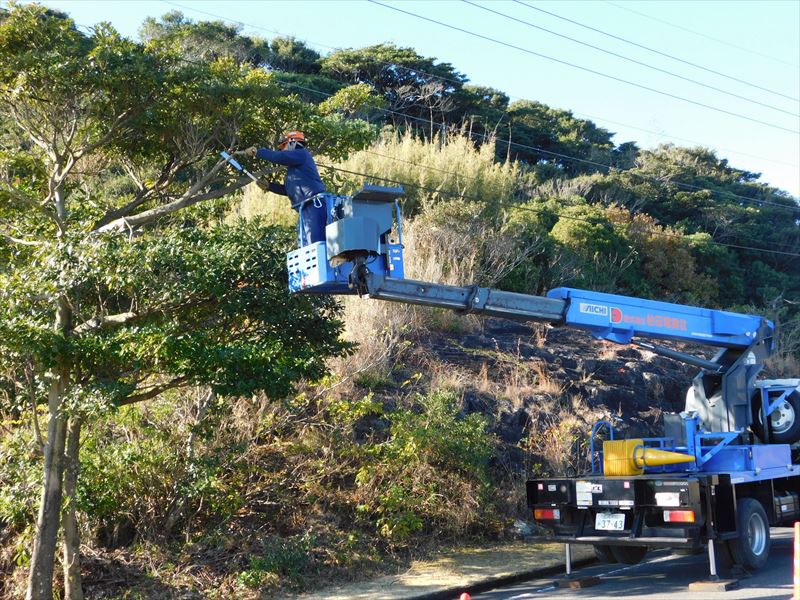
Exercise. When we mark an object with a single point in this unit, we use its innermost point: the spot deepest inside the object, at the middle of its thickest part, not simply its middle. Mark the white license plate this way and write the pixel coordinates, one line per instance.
(609, 521)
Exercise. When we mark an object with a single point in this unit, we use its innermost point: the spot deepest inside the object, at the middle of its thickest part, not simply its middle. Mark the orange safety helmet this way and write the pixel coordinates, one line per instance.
(292, 136)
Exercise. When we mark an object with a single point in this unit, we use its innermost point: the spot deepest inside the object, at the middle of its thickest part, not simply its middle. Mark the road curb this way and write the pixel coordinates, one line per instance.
(491, 583)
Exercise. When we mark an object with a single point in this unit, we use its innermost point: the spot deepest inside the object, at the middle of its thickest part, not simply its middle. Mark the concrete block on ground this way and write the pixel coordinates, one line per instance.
(720, 585)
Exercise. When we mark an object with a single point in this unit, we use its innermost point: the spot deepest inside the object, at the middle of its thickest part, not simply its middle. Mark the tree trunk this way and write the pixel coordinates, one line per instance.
(73, 589)
(40, 580)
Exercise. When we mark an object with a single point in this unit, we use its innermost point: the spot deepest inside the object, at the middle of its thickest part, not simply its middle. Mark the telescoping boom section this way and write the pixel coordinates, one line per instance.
(607, 316)
(363, 254)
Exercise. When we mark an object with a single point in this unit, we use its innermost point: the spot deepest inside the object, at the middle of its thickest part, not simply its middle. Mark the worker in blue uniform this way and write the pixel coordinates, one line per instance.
(302, 184)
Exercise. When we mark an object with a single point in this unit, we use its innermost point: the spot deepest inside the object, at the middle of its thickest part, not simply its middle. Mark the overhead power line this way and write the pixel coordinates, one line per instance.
(728, 195)
(659, 52)
(484, 137)
(457, 82)
(631, 60)
(530, 209)
(683, 139)
(703, 35)
(446, 172)
(725, 194)
(582, 68)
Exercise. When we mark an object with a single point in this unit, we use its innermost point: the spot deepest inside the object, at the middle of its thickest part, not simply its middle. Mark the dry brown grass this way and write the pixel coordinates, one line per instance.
(446, 376)
(783, 365)
(557, 440)
(540, 334)
(544, 382)
(608, 351)
(438, 255)
(273, 208)
(450, 167)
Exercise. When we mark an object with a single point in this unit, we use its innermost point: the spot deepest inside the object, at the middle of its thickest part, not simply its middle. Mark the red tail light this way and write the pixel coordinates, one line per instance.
(679, 516)
(546, 514)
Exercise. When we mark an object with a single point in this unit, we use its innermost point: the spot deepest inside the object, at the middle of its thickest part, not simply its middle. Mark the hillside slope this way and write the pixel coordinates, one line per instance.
(543, 388)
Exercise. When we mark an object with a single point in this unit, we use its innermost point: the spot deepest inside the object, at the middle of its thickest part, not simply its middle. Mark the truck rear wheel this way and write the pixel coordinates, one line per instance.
(604, 554)
(629, 555)
(751, 548)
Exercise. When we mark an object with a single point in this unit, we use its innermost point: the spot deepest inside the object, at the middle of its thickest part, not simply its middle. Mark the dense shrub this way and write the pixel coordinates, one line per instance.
(431, 473)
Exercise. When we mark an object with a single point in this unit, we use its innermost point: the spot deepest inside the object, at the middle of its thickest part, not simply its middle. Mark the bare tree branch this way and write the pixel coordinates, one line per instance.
(34, 414)
(185, 201)
(154, 391)
(169, 171)
(107, 321)
(21, 242)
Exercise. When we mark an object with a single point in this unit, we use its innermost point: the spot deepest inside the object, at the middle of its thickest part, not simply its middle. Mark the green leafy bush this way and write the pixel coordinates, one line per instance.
(279, 559)
(430, 474)
(20, 475)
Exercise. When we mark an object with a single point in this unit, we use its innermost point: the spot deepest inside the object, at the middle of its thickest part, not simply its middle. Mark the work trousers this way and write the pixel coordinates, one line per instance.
(313, 219)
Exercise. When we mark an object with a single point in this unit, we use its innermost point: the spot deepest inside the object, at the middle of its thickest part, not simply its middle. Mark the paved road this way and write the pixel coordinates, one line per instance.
(663, 575)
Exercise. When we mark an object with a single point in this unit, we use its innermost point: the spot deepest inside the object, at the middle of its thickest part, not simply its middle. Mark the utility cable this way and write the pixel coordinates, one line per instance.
(629, 59)
(544, 151)
(476, 179)
(659, 52)
(727, 195)
(703, 35)
(582, 68)
(459, 82)
(530, 209)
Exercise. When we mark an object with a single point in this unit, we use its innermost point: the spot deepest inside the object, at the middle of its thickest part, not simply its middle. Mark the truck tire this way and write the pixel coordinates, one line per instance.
(604, 554)
(751, 548)
(629, 555)
(784, 422)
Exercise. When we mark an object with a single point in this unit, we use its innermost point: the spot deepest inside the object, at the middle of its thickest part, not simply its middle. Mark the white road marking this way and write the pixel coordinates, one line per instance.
(647, 562)
(552, 587)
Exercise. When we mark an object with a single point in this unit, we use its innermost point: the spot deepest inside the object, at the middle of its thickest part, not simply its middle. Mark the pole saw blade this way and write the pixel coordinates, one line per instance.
(232, 161)
(235, 164)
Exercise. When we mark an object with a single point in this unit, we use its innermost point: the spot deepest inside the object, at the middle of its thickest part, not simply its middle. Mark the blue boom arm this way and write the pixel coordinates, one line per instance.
(358, 256)
(621, 318)
(363, 254)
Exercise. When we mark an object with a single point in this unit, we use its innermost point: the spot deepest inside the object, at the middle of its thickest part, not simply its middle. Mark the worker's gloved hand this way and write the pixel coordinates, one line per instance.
(249, 152)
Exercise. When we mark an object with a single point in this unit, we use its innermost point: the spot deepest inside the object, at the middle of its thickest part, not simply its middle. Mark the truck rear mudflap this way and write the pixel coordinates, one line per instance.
(648, 510)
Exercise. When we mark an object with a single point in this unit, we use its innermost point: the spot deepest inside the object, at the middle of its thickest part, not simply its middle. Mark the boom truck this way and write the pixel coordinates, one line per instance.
(722, 473)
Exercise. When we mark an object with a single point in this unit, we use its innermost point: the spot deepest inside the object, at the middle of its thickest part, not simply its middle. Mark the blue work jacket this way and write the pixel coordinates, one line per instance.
(302, 178)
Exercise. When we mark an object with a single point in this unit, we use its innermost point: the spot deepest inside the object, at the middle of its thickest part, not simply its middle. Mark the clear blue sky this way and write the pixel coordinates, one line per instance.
(757, 42)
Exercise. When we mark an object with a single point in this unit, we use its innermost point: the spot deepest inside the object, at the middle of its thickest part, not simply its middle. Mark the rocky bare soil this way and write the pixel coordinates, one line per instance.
(531, 380)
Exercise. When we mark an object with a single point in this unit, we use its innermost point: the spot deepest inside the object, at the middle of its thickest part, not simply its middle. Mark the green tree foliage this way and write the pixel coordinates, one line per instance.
(124, 276)
(410, 83)
(481, 111)
(431, 463)
(561, 138)
(120, 285)
(204, 41)
(701, 194)
(292, 55)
